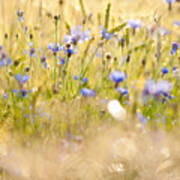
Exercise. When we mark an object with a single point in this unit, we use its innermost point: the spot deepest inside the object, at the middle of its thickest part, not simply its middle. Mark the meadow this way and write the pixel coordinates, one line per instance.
(89, 89)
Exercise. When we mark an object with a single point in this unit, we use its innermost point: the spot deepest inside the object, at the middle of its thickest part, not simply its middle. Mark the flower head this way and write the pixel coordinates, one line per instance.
(20, 15)
(117, 76)
(177, 23)
(134, 24)
(105, 34)
(87, 92)
(175, 47)
(54, 47)
(122, 91)
(169, 1)
(77, 35)
(164, 70)
(157, 88)
(22, 79)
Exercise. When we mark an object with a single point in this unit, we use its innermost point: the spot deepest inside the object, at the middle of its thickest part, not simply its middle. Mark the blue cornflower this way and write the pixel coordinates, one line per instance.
(142, 118)
(21, 93)
(75, 77)
(20, 15)
(4, 59)
(61, 60)
(164, 70)
(169, 1)
(24, 93)
(117, 76)
(77, 35)
(122, 40)
(32, 52)
(87, 92)
(83, 80)
(5, 95)
(174, 49)
(54, 47)
(22, 79)
(134, 24)
(69, 50)
(122, 91)
(156, 89)
(105, 34)
(177, 23)
(163, 31)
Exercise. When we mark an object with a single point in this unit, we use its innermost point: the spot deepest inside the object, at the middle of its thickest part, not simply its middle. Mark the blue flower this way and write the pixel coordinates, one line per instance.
(122, 91)
(85, 80)
(169, 1)
(5, 95)
(164, 70)
(163, 31)
(20, 15)
(75, 77)
(24, 93)
(177, 23)
(54, 47)
(32, 52)
(22, 79)
(117, 76)
(142, 118)
(77, 35)
(21, 93)
(4, 59)
(87, 92)
(134, 24)
(156, 89)
(105, 34)
(175, 47)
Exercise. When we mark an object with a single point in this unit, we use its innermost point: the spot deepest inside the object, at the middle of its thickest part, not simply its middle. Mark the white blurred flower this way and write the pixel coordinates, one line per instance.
(116, 110)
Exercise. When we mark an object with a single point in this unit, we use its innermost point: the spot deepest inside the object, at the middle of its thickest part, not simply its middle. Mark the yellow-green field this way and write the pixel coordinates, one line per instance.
(89, 89)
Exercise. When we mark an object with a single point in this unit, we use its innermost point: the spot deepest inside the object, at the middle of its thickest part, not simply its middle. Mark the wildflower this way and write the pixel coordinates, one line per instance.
(142, 118)
(87, 92)
(61, 61)
(134, 24)
(20, 15)
(122, 91)
(117, 76)
(77, 35)
(22, 79)
(5, 96)
(75, 77)
(21, 93)
(83, 80)
(54, 47)
(69, 50)
(122, 42)
(4, 59)
(170, 2)
(32, 52)
(116, 110)
(164, 70)
(174, 49)
(105, 34)
(24, 93)
(156, 89)
(163, 31)
(177, 23)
